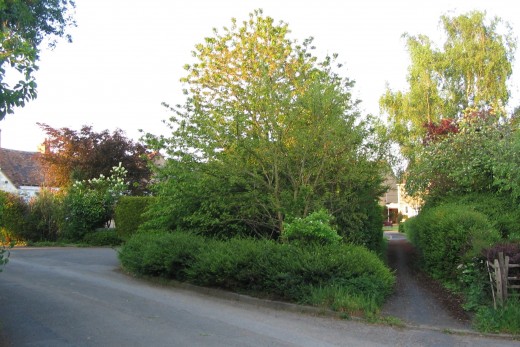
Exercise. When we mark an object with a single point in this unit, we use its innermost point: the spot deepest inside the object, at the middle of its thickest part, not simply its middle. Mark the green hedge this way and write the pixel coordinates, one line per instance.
(448, 235)
(502, 211)
(128, 214)
(13, 216)
(102, 237)
(265, 267)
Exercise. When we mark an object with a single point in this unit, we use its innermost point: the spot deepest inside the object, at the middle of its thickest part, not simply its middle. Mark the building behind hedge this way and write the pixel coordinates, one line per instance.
(20, 172)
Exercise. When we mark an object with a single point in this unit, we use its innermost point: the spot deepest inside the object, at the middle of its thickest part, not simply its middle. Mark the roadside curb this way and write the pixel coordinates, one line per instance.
(315, 311)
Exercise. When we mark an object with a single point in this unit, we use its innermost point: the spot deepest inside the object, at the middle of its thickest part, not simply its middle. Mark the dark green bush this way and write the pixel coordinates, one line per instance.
(83, 211)
(500, 209)
(45, 213)
(263, 267)
(161, 254)
(129, 214)
(102, 237)
(13, 216)
(448, 235)
(362, 225)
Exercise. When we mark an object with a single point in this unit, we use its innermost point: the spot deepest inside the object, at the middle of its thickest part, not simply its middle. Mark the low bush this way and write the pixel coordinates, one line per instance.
(315, 228)
(128, 214)
(161, 254)
(102, 237)
(311, 274)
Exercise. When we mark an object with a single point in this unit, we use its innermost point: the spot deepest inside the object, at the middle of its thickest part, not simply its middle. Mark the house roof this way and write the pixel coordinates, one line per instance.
(22, 168)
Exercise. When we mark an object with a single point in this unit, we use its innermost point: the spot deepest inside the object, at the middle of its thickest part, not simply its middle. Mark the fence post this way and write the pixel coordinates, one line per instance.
(498, 279)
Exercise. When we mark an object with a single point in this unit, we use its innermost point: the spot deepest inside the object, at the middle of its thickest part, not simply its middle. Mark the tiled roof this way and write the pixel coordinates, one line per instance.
(22, 168)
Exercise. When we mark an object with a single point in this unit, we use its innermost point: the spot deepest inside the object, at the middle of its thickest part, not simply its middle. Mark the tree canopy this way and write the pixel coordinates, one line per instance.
(24, 25)
(470, 70)
(476, 155)
(268, 133)
(72, 155)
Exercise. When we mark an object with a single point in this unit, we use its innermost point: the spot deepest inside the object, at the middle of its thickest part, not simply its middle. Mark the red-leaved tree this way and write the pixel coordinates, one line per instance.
(71, 155)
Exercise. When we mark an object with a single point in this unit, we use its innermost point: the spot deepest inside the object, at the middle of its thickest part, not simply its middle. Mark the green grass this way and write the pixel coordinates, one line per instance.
(502, 320)
(341, 299)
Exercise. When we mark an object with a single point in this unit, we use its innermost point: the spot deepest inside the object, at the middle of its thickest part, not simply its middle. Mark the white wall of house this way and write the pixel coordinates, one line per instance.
(6, 185)
(27, 192)
(408, 207)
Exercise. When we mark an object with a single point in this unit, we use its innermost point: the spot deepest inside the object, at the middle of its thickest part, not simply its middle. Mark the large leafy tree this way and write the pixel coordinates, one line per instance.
(268, 133)
(470, 70)
(24, 25)
(72, 155)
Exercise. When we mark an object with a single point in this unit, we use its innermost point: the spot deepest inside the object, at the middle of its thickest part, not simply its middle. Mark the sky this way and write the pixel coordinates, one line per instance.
(127, 56)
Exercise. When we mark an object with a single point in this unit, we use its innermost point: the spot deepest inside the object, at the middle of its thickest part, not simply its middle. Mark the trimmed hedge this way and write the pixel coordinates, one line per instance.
(128, 214)
(102, 237)
(448, 235)
(263, 267)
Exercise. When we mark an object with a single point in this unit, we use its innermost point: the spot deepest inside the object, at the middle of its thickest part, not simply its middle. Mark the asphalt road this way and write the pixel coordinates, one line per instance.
(78, 297)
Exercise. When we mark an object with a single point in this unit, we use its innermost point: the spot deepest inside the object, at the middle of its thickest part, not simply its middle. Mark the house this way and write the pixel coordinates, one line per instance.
(20, 172)
(397, 202)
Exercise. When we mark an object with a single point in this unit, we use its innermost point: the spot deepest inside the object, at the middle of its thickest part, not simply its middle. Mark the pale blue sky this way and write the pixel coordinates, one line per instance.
(127, 55)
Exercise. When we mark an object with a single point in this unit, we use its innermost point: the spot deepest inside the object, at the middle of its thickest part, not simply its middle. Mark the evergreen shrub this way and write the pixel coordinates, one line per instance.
(448, 235)
(13, 216)
(263, 267)
(102, 237)
(129, 214)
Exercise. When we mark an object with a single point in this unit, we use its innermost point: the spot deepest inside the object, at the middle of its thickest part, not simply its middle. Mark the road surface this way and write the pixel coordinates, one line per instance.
(77, 297)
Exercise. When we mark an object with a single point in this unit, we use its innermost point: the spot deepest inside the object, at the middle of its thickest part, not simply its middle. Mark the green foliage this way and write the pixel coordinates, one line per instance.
(129, 214)
(448, 235)
(473, 283)
(342, 299)
(265, 268)
(266, 135)
(504, 319)
(23, 26)
(5, 246)
(315, 228)
(102, 237)
(45, 213)
(90, 204)
(469, 70)
(13, 215)
(161, 254)
(481, 157)
(501, 209)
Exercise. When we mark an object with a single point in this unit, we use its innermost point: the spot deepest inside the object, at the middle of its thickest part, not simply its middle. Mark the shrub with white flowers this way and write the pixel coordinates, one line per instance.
(90, 204)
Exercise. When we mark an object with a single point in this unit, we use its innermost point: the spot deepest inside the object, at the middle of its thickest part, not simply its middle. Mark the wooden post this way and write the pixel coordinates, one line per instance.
(498, 279)
(489, 267)
(503, 264)
(505, 278)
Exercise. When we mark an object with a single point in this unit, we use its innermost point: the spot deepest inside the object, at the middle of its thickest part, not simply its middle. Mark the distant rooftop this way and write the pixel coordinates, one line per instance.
(22, 168)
